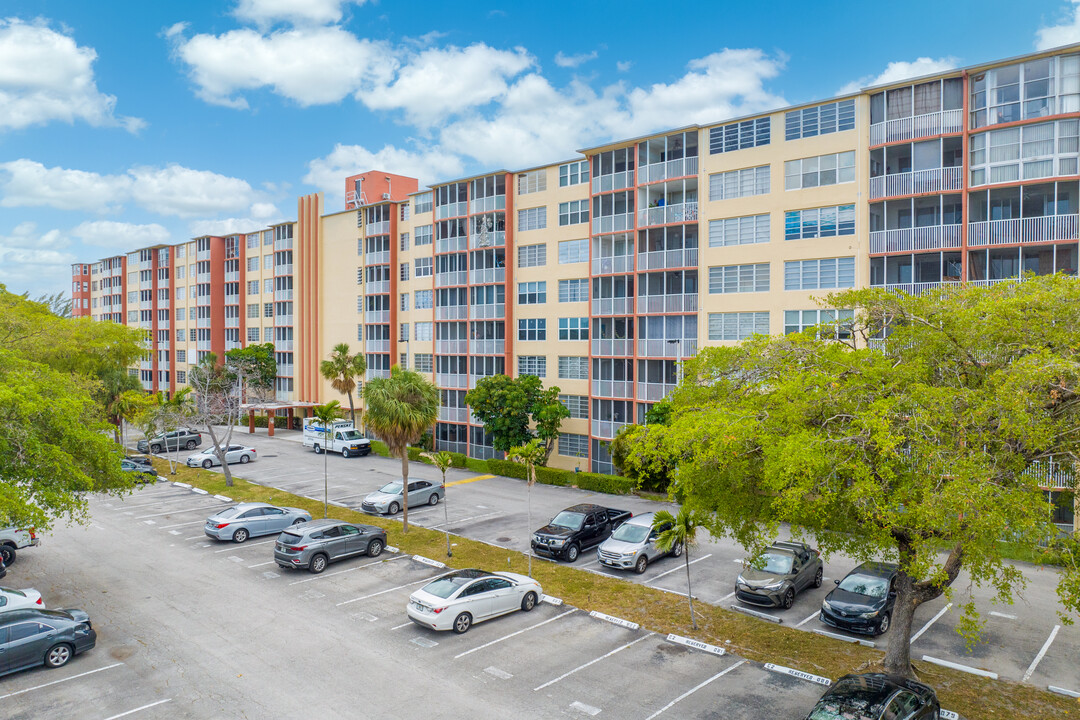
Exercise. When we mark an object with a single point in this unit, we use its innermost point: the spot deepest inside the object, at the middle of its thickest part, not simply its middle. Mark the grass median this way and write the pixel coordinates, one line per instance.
(663, 612)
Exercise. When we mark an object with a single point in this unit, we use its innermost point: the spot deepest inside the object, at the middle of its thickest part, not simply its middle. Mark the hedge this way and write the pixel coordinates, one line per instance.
(611, 484)
(457, 460)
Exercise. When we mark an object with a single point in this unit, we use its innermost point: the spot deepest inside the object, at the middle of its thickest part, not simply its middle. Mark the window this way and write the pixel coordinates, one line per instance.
(359, 276)
(737, 326)
(422, 362)
(573, 251)
(268, 335)
(404, 271)
(747, 230)
(194, 335)
(819, 171)
(820, 120)
(573, 212)
(739, 183)
(1049, 86)
(404, 302)
(404, 235)
(422, 235)
(253, 287)
(403, 335)
(532, 256)
(798, 320)
(252, 310)
(532, 329)
(268, 262)
(268, 309)
(179, 272)
(181, 291)
(532, 181)
(573, 445)
(532, 219)
(360, 333)
(423, 267)
(819, 274)
(181, 376)
(423, 331)
(576, 328)
(819, 222)
(726, 279)
(422, 299)
(578, 405)
(532, 293)
(574, 173)
(422, 203)
(253, 334)
(181, 355)
(573, 290)
(181, 314)
(573, 368)
(532, 365)
(1026, 152)
(739, 135)
(268, 286)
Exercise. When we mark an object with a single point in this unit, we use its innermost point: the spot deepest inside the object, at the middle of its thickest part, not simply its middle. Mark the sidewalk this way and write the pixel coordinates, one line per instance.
(241, 431)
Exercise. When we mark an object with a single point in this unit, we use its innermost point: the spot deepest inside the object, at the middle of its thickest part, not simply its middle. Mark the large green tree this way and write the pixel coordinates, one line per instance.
(344, 370)
(507, 406)
(257, 366)
(917, 440)
(400, 409)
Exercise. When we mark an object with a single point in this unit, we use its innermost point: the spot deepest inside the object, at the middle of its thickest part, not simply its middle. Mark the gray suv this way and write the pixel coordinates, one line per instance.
(782, 570)
(633, 545)
(315, 544)
(184, 437)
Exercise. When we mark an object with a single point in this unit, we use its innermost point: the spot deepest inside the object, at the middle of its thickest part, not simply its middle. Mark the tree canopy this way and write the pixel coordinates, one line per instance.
(344, 369)
(258, 366)
(922, 431)
(508, 405)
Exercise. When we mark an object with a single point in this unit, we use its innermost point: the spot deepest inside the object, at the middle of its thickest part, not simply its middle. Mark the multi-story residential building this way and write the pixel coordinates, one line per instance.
(600, 273)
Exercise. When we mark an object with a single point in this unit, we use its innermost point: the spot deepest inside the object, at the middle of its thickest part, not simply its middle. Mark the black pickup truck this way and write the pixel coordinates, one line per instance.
(575, 529)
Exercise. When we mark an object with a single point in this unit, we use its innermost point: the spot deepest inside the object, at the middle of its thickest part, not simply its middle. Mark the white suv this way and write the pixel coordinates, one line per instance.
(12, 539)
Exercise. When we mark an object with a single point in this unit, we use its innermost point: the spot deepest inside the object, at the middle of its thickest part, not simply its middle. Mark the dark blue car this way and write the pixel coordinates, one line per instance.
(29, 638)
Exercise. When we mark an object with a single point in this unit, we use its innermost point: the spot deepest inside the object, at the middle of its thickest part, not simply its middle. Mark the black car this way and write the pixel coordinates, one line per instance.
(3, 569)
(863, 601)
(876, 696)
(141, 460)
(575, 529)
(29, 638)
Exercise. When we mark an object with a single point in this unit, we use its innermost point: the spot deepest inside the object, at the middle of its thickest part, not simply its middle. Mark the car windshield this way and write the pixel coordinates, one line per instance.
(834, 711)
(351, 435)
(228, 512)
(13, 592)
(776, 563)
(393, 488)
(444, 587)
(631, 533)
(289, 539)
(875, 587)
(569, 520)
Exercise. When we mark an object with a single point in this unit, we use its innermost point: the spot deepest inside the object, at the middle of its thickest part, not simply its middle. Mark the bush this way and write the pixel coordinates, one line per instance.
(610, 484)
(457, 460)
(260, 421)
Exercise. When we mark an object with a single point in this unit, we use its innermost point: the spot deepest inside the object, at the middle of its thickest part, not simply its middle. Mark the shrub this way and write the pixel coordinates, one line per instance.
(610, 484)
(260, 421)
(457, 460)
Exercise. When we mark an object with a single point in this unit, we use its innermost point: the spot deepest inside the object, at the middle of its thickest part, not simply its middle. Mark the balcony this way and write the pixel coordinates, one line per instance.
(451, 347)
(146, 305)
(232, 276)
(612, 348)
(670, 169)
(382, 257)
(447, 380)
(1051, 475)
(653, 392)
(921, 287)
(487, 312)
(230, 322)
(202, 345)
(487, 347)
(284, 370)
(613, 388)
(452, 312)
(454, 414)
(613, 181)
(613, 223)
(606, 428)
(283, 269)
(473, 379)
(162, 324)
(231, 345)
(666, 214)
(283, 345)
(665, 259)
(447, 279)
(918, 126)
(372, 374)
(382, 227)
(614, 264)
(494, 237)
(488, 204)
(450, 244)
(931, 237)
(283, 244)
(457, 447)
(915, 183)
(148, 385)
(686, 302)
(487, 276)
(613, 306)
(1024, 230)
(283, 395)
(283, 320)
(283, 295)
(451, 210)
(666, 349)
(202, 277)
(163, 304)
(162, 345)
(202, 255)
(203, 322)
(376, 287)
(377, 346)
(376, 316)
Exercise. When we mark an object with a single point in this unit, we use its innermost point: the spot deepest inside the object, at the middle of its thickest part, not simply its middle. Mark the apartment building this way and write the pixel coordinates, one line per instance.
(600, 272)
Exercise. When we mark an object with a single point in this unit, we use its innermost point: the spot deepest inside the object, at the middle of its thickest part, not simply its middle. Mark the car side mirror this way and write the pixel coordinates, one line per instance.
(837, 581)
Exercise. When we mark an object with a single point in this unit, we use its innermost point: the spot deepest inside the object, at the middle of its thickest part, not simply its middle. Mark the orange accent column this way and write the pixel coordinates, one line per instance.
(270, 423)
(395, 279)
(251, 420)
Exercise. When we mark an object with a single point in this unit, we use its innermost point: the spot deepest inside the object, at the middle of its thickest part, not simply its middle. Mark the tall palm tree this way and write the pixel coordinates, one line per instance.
(679, 531)
(342, 370)
(400, 409)
(326, 414)
(530, 455)
(442, 460)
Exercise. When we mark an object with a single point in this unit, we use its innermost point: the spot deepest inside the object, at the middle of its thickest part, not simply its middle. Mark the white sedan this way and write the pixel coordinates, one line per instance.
(457, 600)
(233, 454)
(20, 599)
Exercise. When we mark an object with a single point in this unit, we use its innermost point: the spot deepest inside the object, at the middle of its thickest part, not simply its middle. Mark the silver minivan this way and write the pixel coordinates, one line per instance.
(633, 545)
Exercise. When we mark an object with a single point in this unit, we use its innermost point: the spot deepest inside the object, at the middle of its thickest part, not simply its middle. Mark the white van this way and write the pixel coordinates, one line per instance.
(342, 438)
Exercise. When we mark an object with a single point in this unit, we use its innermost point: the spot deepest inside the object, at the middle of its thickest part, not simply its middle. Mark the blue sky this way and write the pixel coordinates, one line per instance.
(125, 123)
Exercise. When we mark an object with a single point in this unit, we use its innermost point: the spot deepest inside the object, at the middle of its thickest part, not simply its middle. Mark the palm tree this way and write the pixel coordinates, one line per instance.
(342, 370)
(126, 407)
(442, 460)
(679, 531)
(326, 414)
(530, 455)
(400, 409)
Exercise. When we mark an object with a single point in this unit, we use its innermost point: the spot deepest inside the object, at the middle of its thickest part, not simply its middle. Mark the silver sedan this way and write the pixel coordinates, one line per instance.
(233, 454)
(389, 498)
(239, 522)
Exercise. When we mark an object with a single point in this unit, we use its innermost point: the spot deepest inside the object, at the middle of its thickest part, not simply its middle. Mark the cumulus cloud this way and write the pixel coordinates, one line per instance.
(268, 12)
(225, 226)
(177, 190)
(33, 261)
(1065, 32)
(624, 65)
(901, 70)
(45, 76)
(428, 165)
(572, 61)
(120, 235)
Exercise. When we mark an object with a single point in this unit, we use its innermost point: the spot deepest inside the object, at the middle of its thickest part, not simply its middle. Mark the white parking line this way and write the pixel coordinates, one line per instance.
(193, 522)
(342, 572)
(464, 520)
(54, 682)
(144, 707)
(592, 662)
(184, 496)
(507, 637)
(244, 545)
(291, 474)
(383, 592)
(726, 597)
(933, 620)
(268, 562)
(816, 613)
(668, 572)
(1042, 653)
(195, 537)
(346, 497)
(199, 508)
(1002, 615)
(694, 689)
(398, 627)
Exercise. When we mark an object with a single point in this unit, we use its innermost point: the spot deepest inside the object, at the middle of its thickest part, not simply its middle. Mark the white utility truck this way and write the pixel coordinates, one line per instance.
(342, 438)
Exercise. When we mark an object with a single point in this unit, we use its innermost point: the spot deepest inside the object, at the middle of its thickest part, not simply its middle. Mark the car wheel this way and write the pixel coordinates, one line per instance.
(434, 499)
(58, 655)
(641, 564)
(345, 453)
(155, 448)
(394, 507)
(528, 602)
(207, 464)
(190, 445)
(462, 623)
(374, 548)
(297, 521)
(240, 535)
(883, 626)
(318, 450)
(676, 551)
(789, 598)
(318, 564)
(817, 578)
(7, 554)
(572, 553)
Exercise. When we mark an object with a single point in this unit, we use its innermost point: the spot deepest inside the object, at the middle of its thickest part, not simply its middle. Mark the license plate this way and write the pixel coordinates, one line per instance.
(281, 548)
(419, 607)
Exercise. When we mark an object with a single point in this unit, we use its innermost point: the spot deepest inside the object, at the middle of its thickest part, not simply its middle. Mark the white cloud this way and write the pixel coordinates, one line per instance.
(25, 183)
(34, 262)
(265, 211)
(624, 65)
(428, 165)
(901, 70)
(1064, 33)
(225, 226)
(177, 190)
(572, 61)
(45, 76)
(120, 235)
(267, 12)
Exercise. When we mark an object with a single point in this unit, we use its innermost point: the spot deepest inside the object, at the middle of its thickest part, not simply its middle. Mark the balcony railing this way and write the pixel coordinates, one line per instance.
(488, 204)
(377, 316)
(487, 276)
(613, 388)
(612, 348)
(202, 345)
(473, 379)
(450, 244)
(232, 345)
(376, 287)
(663, 259)
(162, 324)
(203, 322)
(613, 223)
(382, 227)
(1051, 475)
(670, 169)
(918, 126)
(665, 349)
(665, 214)
(1024, 230)
(283, 244)
(447, 279)
(931, 237)
(284, 370)
(613, 306)
(452, 312)
(494, 237)
(283, 320)
(613, 264)
(230, 322)
(686, 302)
(283, 345)
(202, 277)
(451, 347)
(487, 347)
(654, 391)
(373, 373)
(915, 183)
(451, 210)
(374, 346)
(606, 428)
(454, 414)
(487, 312)
(457, 447)
(613, 181)
(232, 276)
(283, 295)
(381, 257)
(202, 255)
(283, 269)
(919, 287)
(448, 380)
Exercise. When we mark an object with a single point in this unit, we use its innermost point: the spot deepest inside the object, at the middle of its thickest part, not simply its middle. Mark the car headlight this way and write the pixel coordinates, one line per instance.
(826, 605)
(868, 615)
(774, 586)
(627, 556)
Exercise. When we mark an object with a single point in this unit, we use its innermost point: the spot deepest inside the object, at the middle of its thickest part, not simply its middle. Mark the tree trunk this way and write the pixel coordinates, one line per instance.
(220, 455)
(898, 654)
(529, 535)
(405, 488)
(352, 411)
(446, 516)
(325, 482)
(689, 592)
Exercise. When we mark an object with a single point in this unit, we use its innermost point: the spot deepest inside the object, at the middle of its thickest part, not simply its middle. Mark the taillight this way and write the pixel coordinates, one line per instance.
(38, 602)
(437, 610)
(221, 525)
(297, 548)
